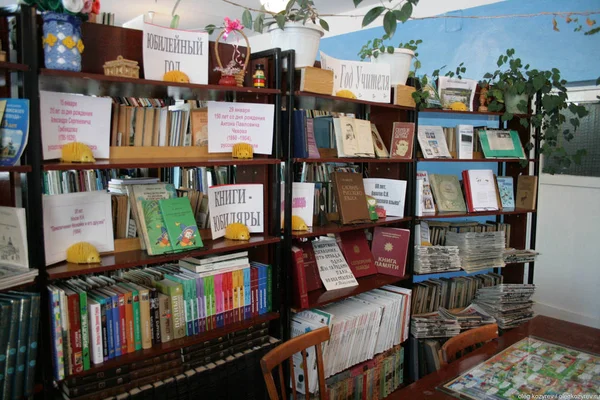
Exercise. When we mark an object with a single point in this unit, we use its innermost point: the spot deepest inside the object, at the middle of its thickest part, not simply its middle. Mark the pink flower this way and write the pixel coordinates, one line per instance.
(231, 26)
(87, 6)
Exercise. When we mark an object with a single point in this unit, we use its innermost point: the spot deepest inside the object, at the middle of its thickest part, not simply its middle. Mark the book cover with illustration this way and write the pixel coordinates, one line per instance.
(402, 140)
(156, 234)
(14, 129)
(180, 223)
(506, 188)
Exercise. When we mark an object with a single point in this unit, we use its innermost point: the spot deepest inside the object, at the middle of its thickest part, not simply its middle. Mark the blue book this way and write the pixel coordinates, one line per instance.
(506, 188)
(56, 328)
(110, 327)
(299, 131)
(262, 287)
(116, 321)
(323, 127)
(14, 130)
(247, 294)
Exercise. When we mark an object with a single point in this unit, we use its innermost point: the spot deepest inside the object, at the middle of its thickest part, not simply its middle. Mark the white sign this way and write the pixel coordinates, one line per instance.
(333, 268)
(389, 193)
(77, 217)
(167, 49)
(367, 81)
(70, 118)
(235, 203)
(231, 123)
(303, 201)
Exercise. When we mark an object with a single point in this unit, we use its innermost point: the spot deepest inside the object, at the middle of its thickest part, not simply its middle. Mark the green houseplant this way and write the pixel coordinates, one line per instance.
(399, 58)
(426, 95)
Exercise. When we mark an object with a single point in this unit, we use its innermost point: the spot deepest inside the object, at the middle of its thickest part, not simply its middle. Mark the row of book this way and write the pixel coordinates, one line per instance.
(360, 327)
(481, 190)
(370, 380)
(98, 318)
(72, 181)
(450, 293)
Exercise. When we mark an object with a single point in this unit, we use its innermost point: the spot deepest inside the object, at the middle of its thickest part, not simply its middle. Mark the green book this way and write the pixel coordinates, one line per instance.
(496, 143)
(175, 292)
(211, 307)
(155, 228)
(180, 222)
(447, 193)
(34, 317)
(137, 317)
(17, 350)
(187, 301)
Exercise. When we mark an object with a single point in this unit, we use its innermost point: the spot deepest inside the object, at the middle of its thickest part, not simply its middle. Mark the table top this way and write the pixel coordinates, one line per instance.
(554, 330)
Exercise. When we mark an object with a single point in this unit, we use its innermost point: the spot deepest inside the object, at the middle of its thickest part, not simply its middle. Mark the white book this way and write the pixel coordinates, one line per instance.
(482, 190)
(348, 136)
(95, 328)
(364, 138)
(464, 142)
(190, 265)
(408, 293)
(389, 193)
(426, 205)
(303, 194)
(13, 238)
(300, 326)
(163, 128)
(337, 129)
(433, 142)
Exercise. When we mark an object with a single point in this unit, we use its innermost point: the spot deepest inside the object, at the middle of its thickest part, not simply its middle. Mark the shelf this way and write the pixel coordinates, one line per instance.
(16, 168)
(482, 160)
(352, 160)
(13, 66)
(136, 258)
(82, 82)
(476, 214)
(175, 345)
(357, 101)
(498, 113)
(155, 163)
(321, 297)
(333, 227)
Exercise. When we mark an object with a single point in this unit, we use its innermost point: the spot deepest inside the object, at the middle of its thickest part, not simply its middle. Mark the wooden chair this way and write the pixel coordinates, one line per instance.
(286, 350)
(459, 345)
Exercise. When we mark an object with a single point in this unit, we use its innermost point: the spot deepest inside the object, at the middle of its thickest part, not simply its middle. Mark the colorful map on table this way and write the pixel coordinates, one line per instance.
(527, 368)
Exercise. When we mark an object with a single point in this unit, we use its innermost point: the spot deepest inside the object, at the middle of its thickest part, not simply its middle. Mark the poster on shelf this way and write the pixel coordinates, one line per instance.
(231, 123)
(365, 81)
(77, 217)
(236, 203)
(389, 193)
(67, 118)
(167, 49)
(333, 268)
(303, 196)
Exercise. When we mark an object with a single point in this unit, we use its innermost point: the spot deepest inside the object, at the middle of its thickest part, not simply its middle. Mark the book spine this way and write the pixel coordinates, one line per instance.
(219, 298)
(129, 321)
(32, 345)
(95, 325)
(145, 319)
(116, 325)
(155, 317)
(75, 333)
(56, 327)
(254, 289)
(269, 288)
(11, 351)
(137, 321)
(228, 279)
(178, 315)
(300, 292)
(104, 329)
(247, 294)
(166, 321)
(85, 336)
(110, 336)
(201, 304)
(194, 302)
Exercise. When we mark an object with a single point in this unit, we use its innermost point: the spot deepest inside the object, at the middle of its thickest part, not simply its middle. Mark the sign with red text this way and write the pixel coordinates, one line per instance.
(167, 49)
(366, 81)
(236, 203)
(70, 118)
(76, 217)
(231, 123)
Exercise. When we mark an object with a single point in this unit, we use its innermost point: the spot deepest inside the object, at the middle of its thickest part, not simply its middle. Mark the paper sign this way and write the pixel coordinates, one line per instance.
(366, 81)
(389, 193)
(167, 49)
(303, 201)
(77, 217)
(235, 203)
(333, 268)
(231, 123)
(70, 118)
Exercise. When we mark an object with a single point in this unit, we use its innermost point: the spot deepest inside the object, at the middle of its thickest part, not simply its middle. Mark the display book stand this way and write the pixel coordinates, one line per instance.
(383, 115)
(264, 247)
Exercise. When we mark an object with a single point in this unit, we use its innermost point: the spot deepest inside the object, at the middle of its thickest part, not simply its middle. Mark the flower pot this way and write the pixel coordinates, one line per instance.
(227, 80)
(62, 41)
(304, 38)
(399, 62)
(511, 102)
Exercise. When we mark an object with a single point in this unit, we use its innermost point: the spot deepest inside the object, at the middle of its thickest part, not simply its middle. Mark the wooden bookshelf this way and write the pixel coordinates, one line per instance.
(334, 227)
(16, 168)
(355, 160)
(176, 344)
(516, 211)
(321, 297)
(9, 66)
(136, 258)
(156, 163)
(482, 160)
(355, 101)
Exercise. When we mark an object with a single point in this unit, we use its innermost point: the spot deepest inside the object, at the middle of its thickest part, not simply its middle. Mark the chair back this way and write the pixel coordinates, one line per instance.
(461, 344)
(285, 351)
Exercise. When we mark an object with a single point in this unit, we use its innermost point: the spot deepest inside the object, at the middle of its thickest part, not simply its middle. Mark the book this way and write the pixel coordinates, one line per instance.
(333, 268)
(14, 130)
(350, 197)
(364, 137)
(346, 136)
(480, 190)
(453, 90)
(403, 134)
(311, 143)
(302, 201)
(424, 197)
(313, 280)
(447, 193)
(496, 143)
(199, 126)
(299, 279)
(358, 255)
(379, 146)
(390, 248)
(180, 223)
(316, 80)
(433, 142)
(299, 126)
(389, 193)
(464, 142)
(507, 192)
(526, 192)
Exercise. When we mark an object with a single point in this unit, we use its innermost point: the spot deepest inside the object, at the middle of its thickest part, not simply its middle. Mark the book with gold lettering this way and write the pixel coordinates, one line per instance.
(350, 197)
(355, 247)
(389, 248)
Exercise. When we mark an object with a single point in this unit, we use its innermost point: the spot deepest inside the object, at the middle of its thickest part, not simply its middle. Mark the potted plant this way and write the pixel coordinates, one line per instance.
(399, 58)
(62, 40)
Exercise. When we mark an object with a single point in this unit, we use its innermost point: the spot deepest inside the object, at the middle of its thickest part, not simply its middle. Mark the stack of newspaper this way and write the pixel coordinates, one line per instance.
(471, 317)
(478, 250)
(515, 256)
(433, 325)
(434, 259)
(510, 304)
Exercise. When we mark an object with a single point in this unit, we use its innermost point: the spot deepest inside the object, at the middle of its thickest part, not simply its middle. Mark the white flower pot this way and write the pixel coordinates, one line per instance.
(511, 102)
(399, 62)
(304, 38)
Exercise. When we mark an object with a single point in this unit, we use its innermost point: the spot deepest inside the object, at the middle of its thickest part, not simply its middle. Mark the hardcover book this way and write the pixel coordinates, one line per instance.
(425, 203)
(355, 247)
(158, 240)
(403, 135)
(311, 143)
(433, 142)
(506, 188)
(380, 149)
(348, 138)
(299, 285)
(14, 129)
(180, 223)
(526, 192)
(497, 143)
(313, 281)
(448, 194)
(351, 198)
(364, 138)
(389, 248)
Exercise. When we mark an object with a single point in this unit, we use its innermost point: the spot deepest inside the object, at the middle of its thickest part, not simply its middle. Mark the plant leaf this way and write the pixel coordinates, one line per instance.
(280, 18)
(357, 2)
(389, 23)
(324, 24)
(407, 10)
(372, 15)
(289, 6)
(210, 29)
(247, 19)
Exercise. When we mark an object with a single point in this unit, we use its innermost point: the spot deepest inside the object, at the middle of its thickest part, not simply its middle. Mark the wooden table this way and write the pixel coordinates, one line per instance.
(553, 330)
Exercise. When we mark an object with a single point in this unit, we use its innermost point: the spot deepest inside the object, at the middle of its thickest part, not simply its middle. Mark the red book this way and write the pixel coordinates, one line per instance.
(389, 248)
(403, 135)
(313, 279)
(74, 329)
(467, 190)
(300, 292)
(254, 290)
(355, 247)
